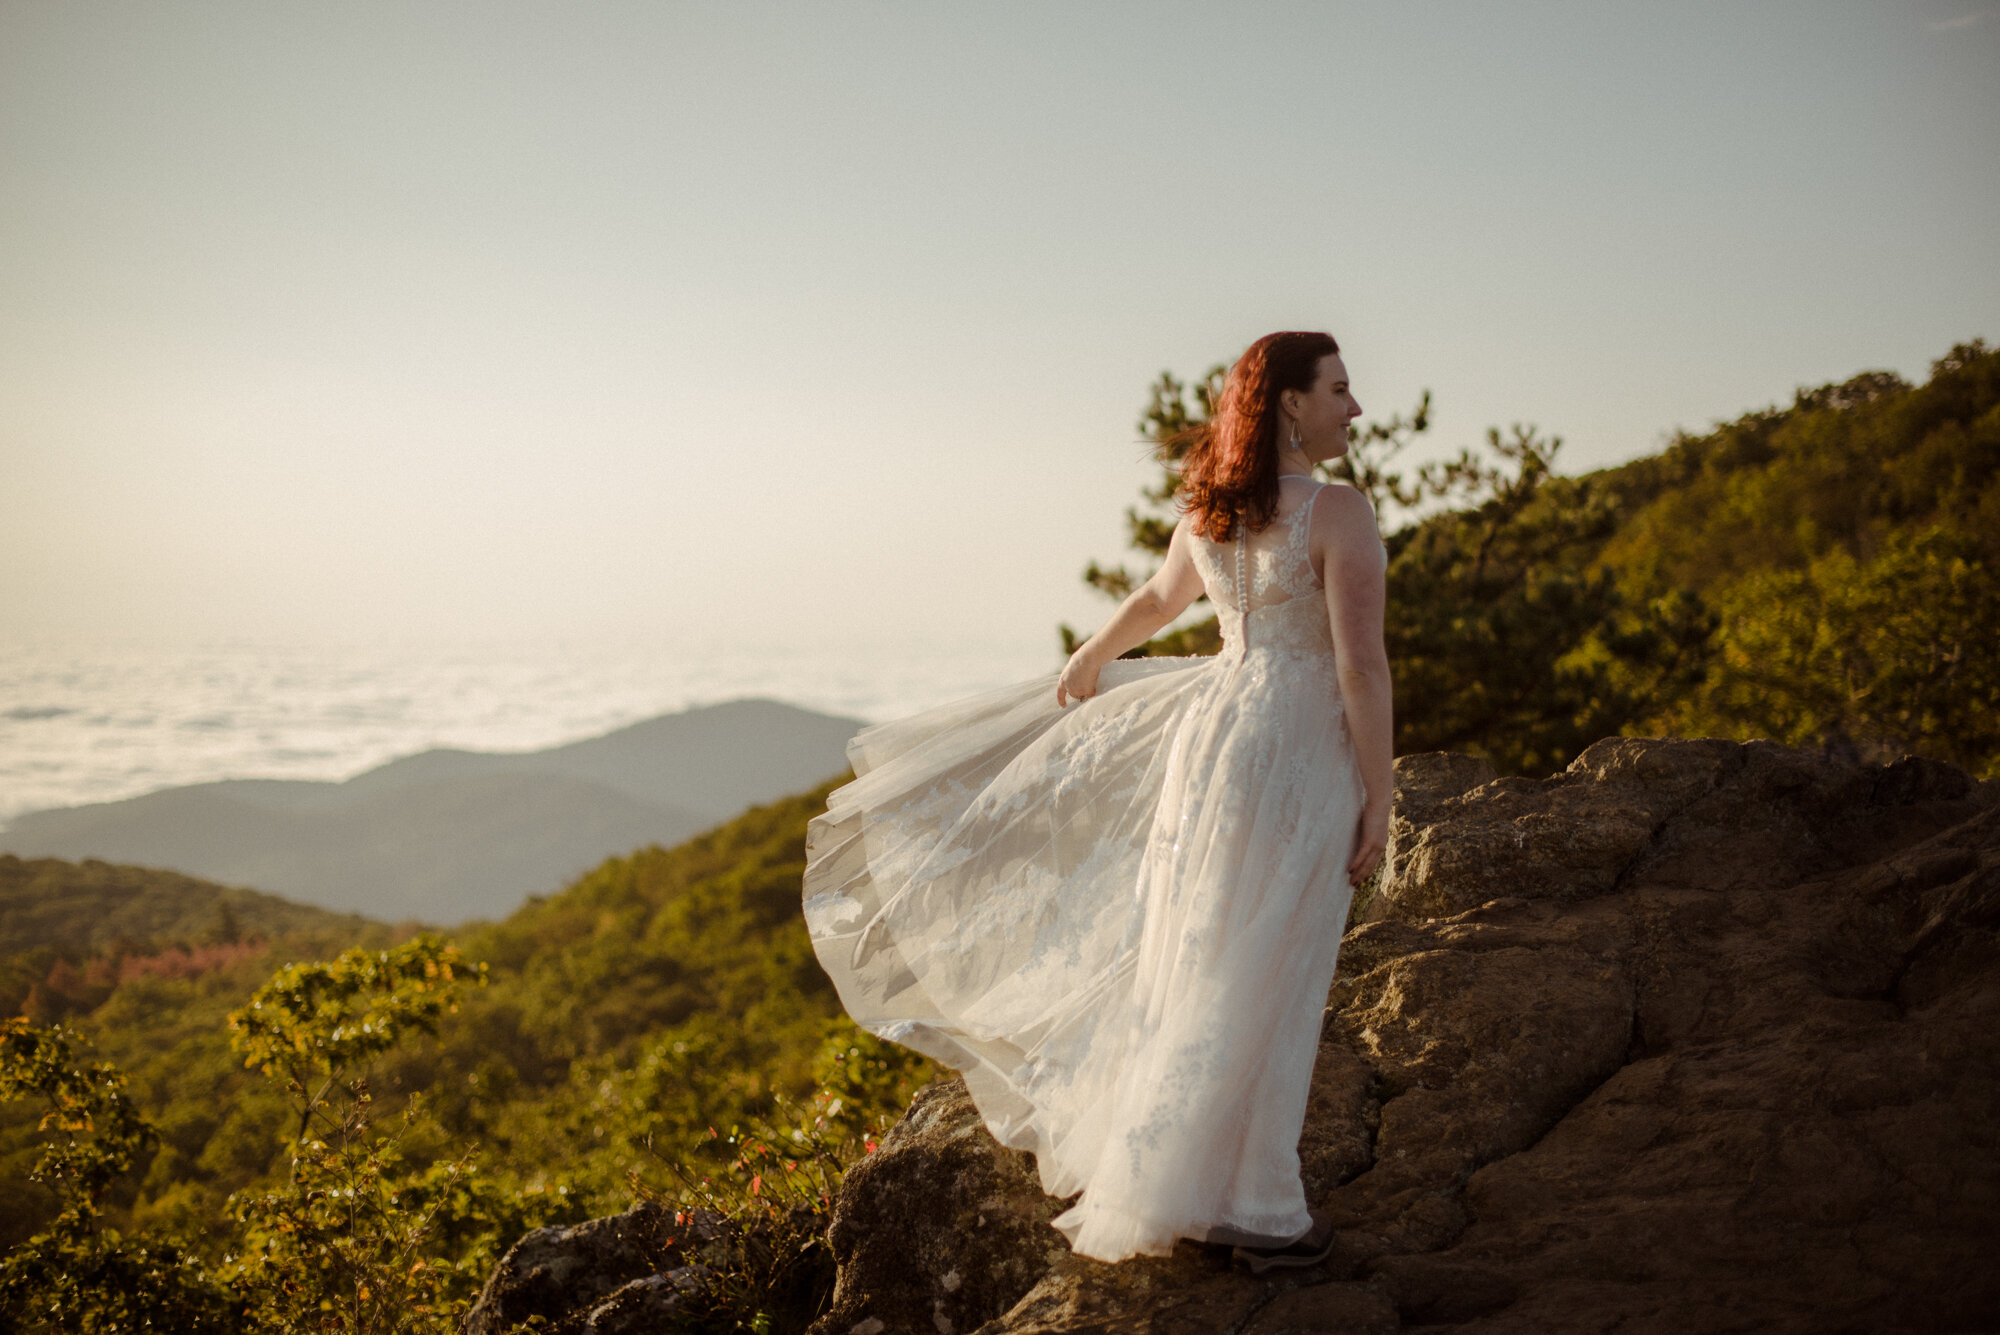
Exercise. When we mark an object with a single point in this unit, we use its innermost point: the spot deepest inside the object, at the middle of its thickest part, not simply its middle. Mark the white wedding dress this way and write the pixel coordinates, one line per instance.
(1119, 919)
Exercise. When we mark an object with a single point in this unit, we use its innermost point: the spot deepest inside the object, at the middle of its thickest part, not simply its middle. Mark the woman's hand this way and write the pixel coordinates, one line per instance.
(1079, 677)
(1371, 839)
(1145, 612)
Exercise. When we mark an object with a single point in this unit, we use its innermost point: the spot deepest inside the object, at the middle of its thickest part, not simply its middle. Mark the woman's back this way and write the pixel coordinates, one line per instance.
(1270, 573)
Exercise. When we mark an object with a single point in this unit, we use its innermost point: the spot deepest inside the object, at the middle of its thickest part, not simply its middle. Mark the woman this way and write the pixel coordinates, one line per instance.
(1113, 900)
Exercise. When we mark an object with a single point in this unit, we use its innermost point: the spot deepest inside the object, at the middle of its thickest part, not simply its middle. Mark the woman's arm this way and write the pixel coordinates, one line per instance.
(1145, 611)
(1354, 571)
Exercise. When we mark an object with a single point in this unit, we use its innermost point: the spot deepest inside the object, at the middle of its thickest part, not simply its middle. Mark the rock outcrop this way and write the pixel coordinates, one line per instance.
(654, 1269)
(1693, 1036)
(941, 1227)
(569, 1276)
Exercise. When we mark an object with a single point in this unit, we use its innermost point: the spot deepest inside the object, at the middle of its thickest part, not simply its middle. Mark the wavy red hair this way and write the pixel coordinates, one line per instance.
(1229, 474)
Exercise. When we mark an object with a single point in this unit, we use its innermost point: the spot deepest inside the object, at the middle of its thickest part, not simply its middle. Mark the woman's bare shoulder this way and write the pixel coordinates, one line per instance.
(1187, 527)
(1342, 510)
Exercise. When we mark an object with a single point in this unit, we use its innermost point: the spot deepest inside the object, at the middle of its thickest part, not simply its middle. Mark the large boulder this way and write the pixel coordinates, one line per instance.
(651, 1269)
(1693, 1036)
(564, 1275)
(941, 1228)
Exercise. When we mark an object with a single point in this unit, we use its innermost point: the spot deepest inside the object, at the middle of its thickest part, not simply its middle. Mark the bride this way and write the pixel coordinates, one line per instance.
(1112, 899)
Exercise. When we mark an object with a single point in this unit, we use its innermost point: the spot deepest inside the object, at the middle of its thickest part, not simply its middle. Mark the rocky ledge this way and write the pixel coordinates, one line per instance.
(1693, 1036)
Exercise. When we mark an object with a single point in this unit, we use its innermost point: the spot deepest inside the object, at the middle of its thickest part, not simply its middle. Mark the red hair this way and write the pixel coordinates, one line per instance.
(1230, 471)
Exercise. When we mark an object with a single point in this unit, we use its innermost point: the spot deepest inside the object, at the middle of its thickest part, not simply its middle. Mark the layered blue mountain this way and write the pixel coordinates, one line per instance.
(447, 835)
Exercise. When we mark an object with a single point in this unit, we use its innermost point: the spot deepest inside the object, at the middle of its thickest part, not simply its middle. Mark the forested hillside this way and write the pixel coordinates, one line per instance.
(655, 1018)
(70, 932)
(1820, 574)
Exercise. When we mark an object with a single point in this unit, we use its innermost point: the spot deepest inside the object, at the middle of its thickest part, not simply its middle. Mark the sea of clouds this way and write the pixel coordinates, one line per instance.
(97, 722)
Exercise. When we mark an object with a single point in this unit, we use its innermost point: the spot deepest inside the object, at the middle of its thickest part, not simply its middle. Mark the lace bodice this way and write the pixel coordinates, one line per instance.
(1265, 591)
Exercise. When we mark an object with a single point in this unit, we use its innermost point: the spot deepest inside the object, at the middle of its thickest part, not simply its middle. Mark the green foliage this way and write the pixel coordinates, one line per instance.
(346, 1245)
(664, 994)
(774, 1175)
(1865, 658)
(349, 1243)
(360, 1235)
(76, 1275)
(313, 1022)
(863, 1083)
(1846, 546)
(101, 1131)
(1503, 640)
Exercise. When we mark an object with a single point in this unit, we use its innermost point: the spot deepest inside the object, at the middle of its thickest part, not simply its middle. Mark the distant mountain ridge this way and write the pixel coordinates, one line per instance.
(446, 835)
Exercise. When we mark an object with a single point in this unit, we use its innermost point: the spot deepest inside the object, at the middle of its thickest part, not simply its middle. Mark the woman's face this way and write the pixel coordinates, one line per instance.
(1324, 411)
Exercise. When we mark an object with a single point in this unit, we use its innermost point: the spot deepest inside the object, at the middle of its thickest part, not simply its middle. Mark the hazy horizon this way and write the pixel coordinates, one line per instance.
(90, 723)
(719, 327)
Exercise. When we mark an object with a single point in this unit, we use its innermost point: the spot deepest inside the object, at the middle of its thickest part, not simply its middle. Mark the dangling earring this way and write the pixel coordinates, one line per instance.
(1293, 444)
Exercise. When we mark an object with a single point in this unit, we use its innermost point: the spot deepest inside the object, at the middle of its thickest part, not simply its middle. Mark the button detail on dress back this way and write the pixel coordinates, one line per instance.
(1242, 585)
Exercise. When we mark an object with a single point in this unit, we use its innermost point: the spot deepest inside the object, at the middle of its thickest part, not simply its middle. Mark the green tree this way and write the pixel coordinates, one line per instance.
(76, 1274)
(356, 1240)
(1505, 639)
(1871, 659)
(773, 1176)
(1845, 548)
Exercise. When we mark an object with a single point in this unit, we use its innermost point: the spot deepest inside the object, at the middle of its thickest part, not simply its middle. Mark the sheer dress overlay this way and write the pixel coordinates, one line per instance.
(1119, 920)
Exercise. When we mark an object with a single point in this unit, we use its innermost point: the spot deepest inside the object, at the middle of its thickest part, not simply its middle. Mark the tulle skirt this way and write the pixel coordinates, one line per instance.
(1118, 920)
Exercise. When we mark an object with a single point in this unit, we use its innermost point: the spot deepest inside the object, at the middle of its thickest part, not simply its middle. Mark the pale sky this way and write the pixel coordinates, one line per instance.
(828, 324)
